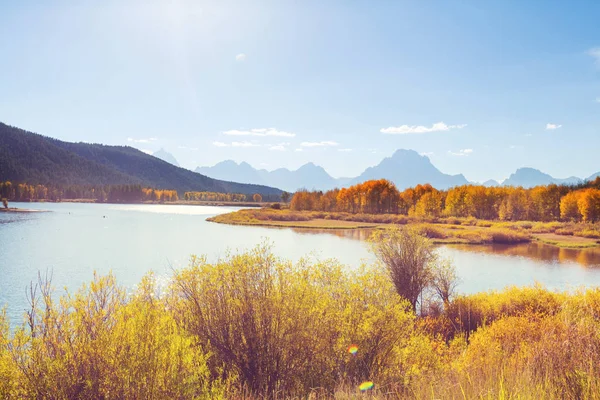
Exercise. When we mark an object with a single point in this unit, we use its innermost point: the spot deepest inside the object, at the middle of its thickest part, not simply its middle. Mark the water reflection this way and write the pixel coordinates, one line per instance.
(540, 251)
(355, 234)
(534, 250)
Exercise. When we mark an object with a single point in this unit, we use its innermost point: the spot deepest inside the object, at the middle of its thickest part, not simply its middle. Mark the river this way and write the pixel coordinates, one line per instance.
(73, 240)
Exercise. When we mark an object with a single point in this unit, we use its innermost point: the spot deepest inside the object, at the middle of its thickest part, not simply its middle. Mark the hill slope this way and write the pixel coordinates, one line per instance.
(33, 158)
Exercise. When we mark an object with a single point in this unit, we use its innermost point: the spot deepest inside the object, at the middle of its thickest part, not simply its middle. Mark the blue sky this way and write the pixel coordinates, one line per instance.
(475, 85)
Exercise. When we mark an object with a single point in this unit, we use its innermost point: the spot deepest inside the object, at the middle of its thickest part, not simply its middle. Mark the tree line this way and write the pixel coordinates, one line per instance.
(105, 193)
(541, 203)
(109, 193)
(212, 196)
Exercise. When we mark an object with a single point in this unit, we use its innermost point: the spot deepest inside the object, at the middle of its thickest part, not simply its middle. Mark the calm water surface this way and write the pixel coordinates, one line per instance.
(74, 240)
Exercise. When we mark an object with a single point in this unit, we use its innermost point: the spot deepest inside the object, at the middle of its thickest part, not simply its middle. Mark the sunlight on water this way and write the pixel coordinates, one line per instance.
(173, 209)
(73, 240)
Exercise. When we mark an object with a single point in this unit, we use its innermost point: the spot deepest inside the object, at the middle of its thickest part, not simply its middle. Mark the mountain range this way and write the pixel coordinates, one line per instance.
(406, 168)
(530, 177)
(309, 176)
(33, 158)
(36, 159)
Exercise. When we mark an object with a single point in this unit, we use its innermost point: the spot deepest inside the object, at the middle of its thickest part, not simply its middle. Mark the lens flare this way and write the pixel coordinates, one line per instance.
(368, 385)
(353, 349)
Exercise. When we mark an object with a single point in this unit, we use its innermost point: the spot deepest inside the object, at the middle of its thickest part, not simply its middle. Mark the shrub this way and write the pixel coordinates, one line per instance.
(546, 227)
(564, 231)
(408, 258)
(452, 221)
(430, 231)
(484, 224)
(505, 236)
(274, 326)
(97, 345)
(524, 224)
(588, 233)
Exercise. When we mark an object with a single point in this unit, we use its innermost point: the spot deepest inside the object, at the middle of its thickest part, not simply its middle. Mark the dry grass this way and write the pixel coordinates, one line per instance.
(294, 322)
(440, 230)
(573, 242)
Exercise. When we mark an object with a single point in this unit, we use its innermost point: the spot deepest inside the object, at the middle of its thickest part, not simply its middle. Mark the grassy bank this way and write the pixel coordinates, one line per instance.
(440, 230)
(255, 326)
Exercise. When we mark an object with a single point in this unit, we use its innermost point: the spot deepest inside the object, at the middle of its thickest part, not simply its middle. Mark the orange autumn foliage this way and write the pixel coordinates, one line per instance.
(541, 203)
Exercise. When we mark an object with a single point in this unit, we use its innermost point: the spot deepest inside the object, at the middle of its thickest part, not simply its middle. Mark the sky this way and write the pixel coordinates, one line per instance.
(480, 87)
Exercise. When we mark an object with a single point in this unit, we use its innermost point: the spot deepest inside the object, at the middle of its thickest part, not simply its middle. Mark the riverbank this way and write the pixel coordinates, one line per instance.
(439, 230)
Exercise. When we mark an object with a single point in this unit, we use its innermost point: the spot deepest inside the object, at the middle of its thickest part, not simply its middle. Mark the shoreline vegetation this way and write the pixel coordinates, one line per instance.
(439, 230)
(562, 216)
(254, 326)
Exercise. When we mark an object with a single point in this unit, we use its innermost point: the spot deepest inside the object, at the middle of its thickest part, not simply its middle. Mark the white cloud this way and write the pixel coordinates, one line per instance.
(345, 150)
(192, 148)
(597, 99)
(324, 143)
(462, 152)
(149, 152)
(235, 144)
(259, 132)
(427, 153)
(298, 149)
(552, 127)
(152, 139)
(528, 135)
(240, 57)
(595, 53)
(244, 144)
(418, 129)
(278, 147)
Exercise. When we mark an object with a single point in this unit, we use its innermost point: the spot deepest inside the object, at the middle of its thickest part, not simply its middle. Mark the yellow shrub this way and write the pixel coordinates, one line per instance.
(94, 345)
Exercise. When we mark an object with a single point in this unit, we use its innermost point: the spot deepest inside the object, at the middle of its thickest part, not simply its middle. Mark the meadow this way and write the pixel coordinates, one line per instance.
(448, 230)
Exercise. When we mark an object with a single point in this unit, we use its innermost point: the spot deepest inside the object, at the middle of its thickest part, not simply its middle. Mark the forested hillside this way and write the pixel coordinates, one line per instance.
(36, 159)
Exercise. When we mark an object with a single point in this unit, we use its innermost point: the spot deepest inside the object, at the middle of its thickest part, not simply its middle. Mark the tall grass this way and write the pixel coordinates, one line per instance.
(255, 326)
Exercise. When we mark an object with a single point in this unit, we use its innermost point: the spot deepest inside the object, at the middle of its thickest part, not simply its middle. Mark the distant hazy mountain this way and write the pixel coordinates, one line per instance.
(166, 156)
(594, 176)
(407, 168)
(491, 183)
(530, 177)
(308, 176)
(229, 170)
(32, 158)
